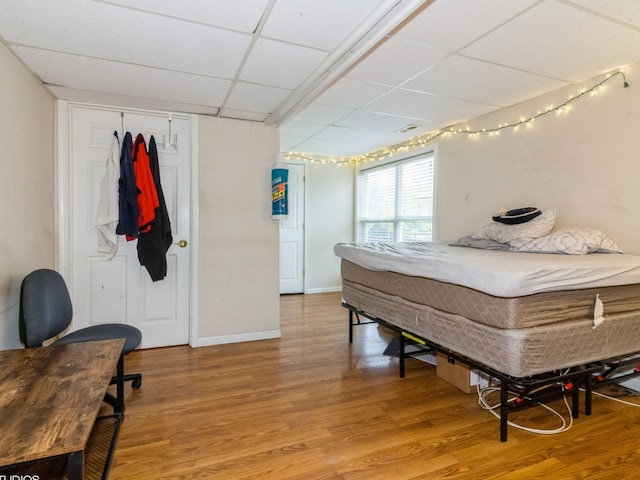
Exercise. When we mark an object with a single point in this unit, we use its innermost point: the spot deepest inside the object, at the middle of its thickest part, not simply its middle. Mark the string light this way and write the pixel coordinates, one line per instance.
(423, 140)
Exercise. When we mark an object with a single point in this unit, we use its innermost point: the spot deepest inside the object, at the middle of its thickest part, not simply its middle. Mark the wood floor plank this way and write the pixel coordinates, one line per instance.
(310, 406)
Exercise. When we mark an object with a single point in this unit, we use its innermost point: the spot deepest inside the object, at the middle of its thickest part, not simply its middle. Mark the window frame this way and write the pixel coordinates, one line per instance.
(397, 219)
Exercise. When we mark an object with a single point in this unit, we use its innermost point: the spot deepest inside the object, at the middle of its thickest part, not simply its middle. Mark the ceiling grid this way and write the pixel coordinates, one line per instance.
(338, 77)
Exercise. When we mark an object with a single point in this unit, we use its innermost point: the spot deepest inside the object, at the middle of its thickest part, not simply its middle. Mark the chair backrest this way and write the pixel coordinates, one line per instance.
(45, 307)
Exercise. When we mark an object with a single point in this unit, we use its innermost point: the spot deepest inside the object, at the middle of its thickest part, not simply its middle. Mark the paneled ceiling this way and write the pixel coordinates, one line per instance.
(339, 77)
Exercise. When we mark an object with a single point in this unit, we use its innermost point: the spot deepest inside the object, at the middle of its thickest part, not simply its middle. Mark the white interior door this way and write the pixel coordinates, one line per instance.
(120, 290)
(292, 234)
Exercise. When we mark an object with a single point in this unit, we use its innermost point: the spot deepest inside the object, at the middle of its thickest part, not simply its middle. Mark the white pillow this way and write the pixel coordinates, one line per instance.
(572, 241)
(503, 233)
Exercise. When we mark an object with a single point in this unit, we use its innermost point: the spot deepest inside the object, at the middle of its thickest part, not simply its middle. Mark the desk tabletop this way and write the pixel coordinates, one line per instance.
(50, 397)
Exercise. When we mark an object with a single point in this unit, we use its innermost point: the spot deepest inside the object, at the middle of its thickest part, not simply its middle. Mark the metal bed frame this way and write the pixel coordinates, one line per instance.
(528, 390)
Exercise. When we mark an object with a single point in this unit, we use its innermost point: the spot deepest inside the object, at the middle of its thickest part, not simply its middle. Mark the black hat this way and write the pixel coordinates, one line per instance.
(519, 215)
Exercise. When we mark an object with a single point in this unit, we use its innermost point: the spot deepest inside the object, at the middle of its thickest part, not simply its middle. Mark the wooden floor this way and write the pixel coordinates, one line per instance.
(309, 406)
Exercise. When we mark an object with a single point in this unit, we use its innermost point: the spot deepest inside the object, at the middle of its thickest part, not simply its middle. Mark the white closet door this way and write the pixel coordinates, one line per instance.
(120, 290)
(292, 234)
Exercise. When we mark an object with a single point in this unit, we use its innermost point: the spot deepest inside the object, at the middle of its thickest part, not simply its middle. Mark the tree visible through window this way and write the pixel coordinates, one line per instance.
(395, 201)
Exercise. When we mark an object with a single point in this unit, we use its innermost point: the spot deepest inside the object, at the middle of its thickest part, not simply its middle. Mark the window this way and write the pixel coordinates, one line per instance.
(395, 201)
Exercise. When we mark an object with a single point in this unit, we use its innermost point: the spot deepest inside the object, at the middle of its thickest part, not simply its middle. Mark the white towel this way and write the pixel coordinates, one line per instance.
(108, 215)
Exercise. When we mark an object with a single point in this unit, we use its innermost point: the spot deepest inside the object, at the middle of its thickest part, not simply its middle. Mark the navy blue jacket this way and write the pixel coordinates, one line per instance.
(127, 192)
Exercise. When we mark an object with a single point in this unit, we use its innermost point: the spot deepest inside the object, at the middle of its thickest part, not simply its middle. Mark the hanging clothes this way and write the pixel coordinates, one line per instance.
(107, 216)
(147, 194)
(154, 243)
(127, 192)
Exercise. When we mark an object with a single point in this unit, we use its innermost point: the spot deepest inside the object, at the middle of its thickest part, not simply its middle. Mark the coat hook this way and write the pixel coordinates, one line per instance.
(166, 142)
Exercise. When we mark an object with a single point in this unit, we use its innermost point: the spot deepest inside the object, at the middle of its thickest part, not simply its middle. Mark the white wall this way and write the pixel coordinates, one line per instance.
(238, 242)
(330, 220)
(584, 162)
(27, 185)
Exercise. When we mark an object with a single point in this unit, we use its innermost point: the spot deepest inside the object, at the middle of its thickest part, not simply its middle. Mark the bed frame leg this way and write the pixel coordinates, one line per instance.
(401, 356)
(504, 410)
(575, 406)
(587, 395)
(350, 326)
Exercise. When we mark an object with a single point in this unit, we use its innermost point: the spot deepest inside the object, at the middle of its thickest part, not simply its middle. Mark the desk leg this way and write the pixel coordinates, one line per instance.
(117, 400)
(119, 406)
(75, 465)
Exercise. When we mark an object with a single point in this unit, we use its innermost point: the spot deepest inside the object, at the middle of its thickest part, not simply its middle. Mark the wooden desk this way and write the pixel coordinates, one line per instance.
(50, 397)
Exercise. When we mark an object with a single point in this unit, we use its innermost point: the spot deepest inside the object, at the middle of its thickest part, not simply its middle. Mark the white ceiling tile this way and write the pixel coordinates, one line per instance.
(255, 98)
(379, 122)
(241, 15)
(320, 24)
(427, 107)
(624, 10)
(569, 34)
(116, 100)
(290, 142)
(242, 115)
(350, 92)
(395, 61)
(93, 74)
(330, 147)
(352, 135)
(451, 24)
(366, 140)
(491, 84)
(325, 114)
(301, 129)
(280, 64)
(140, 38)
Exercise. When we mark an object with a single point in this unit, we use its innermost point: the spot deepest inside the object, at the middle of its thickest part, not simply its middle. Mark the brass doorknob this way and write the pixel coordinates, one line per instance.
(182, 243)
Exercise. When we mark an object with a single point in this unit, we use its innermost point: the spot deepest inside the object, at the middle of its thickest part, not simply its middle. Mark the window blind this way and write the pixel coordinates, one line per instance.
(395, 201)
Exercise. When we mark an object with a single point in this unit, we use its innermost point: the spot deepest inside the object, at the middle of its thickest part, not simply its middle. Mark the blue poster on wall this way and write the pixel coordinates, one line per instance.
(279, 200)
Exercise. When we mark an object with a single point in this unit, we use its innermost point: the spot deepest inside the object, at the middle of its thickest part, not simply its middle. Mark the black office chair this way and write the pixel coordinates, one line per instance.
(46, 311)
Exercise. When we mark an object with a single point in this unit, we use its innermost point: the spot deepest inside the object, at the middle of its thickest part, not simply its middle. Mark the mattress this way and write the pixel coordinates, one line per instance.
(496, 272)
(500, 312)
(516, 352)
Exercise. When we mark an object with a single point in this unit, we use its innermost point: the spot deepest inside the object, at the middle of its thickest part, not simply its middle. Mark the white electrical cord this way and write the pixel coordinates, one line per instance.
(483, 393)
(482, 401)
(631, 404)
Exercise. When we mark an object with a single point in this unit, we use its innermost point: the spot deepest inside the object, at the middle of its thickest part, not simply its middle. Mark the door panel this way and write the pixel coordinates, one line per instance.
(120, 290)
(292, 234)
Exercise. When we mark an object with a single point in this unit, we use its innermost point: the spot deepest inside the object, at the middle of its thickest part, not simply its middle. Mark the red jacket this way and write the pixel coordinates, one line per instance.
(147, 194)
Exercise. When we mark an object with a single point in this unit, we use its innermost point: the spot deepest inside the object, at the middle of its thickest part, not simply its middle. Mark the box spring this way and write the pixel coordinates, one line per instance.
(500, 312)
(520, 352)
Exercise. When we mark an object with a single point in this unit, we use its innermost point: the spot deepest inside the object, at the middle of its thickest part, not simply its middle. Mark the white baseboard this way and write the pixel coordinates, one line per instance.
(324, 290)
(237, 338)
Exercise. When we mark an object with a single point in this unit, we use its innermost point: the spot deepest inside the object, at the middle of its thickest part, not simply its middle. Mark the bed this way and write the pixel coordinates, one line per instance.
(521, 315)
